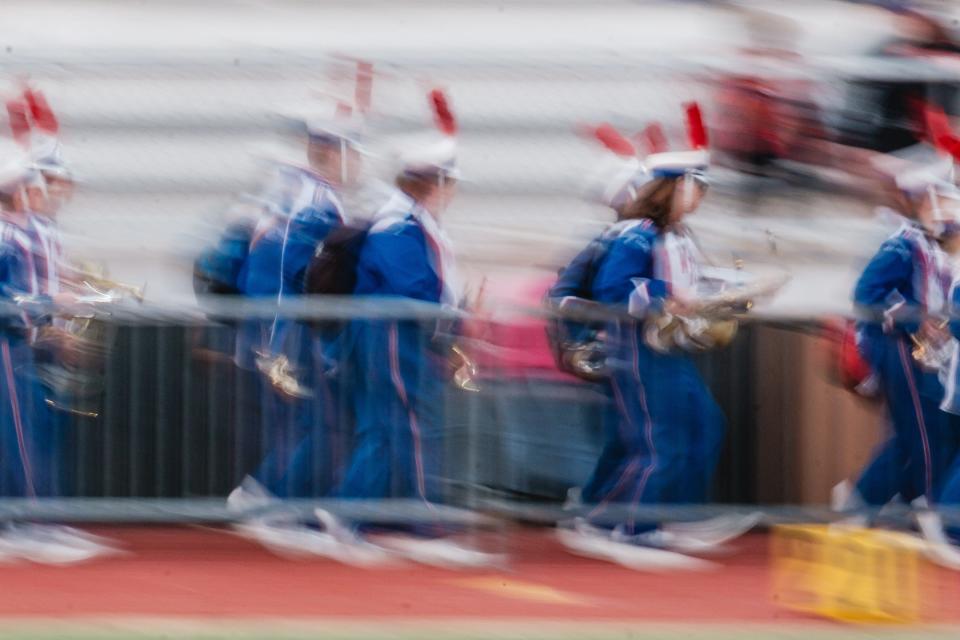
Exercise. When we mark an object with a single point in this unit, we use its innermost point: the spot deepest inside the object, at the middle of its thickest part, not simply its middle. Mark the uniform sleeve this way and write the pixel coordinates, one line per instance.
(881, 285)
(953, 309)
(626, 276)
(396, 260)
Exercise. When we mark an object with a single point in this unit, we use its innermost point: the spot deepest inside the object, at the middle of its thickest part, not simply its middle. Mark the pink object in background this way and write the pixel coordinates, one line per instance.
(514, 343)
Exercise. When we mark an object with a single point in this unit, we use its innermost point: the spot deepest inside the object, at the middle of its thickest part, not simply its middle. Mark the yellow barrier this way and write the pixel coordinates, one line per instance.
(848, 574)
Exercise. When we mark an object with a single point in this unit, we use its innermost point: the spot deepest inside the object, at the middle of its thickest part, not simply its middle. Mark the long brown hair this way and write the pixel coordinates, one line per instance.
(655, 201)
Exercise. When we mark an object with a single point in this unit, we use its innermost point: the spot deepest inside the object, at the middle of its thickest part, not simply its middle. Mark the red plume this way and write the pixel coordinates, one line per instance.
(364, 87)
(696, 131)
(613, 140)
(939, 132)
(17, 112)
(652, 139)
(40, 109)
(442, 113)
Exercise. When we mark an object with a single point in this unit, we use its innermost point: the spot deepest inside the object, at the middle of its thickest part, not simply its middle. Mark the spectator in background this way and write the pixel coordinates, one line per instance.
(883, 113)
(765, 111)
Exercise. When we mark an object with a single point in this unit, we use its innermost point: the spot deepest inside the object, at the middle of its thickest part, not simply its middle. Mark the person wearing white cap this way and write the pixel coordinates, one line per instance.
(900, 298)
(945, 539)
(49, 185)
(664, 443)
(405, 255)
(307, 211)
(616, 185)
(403, 365)
(18, 283)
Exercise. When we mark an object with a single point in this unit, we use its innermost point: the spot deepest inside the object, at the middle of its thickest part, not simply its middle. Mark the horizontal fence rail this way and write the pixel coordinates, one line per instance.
(177, 420)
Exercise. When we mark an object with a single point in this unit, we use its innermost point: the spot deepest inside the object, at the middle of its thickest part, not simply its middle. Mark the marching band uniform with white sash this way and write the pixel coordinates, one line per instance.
(18, 388)
(280, 251)
(904, 282)
(670, 428)
(951, 404)
(401, 364)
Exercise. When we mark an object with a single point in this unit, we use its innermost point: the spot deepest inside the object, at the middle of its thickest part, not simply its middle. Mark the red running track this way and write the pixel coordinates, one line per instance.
(182, 571)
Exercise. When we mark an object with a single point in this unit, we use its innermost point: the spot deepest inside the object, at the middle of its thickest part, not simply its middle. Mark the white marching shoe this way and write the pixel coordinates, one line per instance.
(711, 534)
(249, 495)
(444, 553)
(644, 552)
(938, 549)
(282, 532)
(349, 547)
(845, 499)
(52, 544)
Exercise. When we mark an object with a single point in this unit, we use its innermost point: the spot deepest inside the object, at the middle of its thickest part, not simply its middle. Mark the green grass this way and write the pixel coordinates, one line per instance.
(201, 629)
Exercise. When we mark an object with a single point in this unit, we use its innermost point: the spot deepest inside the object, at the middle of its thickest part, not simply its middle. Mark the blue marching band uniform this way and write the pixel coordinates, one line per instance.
(299, 431)
(904, 283)
(903, 291)
(669, 427)
(399, 396)
(18, 391)
(33, 432)
(662, 439)
(950, 494)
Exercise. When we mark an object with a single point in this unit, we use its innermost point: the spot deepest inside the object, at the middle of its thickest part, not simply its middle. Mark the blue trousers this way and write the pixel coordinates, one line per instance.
(914, 460)
(664, 444)
(28, 435)
(398, 404)
(303, 438)
(950, 497)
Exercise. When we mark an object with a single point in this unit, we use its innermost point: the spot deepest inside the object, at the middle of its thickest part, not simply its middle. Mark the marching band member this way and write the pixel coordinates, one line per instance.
(616, 185)
(33, 187)
(944, 539)
(399, 395)
(49, 187)
(669, 429)
(280, 252)
(35, 126)
(403, 365)
(900, 298)
(18, 281)
(930, 523)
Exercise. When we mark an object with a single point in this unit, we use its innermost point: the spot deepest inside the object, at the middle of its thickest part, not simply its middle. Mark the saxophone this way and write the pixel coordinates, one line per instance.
(714, 321)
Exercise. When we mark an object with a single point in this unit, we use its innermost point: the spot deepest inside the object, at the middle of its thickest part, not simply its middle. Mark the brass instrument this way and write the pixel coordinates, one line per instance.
(75, 345)
(282, 375)
(464, 369)
(932, 350)
(713, 323)
(586, 360)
